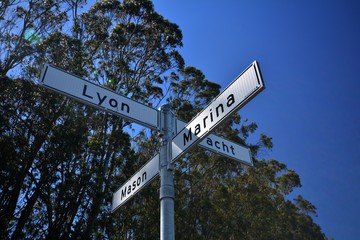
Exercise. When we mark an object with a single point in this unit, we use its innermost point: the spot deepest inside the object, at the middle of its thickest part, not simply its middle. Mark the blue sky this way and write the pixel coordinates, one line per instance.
(308, 52)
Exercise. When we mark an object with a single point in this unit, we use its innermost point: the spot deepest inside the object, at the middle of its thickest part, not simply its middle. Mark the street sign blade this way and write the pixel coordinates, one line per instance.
(136, 183)
(245, 87)
(102, 98)
(222, 146)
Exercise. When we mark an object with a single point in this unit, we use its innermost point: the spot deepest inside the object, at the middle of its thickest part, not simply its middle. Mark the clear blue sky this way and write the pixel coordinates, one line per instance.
(309, 56)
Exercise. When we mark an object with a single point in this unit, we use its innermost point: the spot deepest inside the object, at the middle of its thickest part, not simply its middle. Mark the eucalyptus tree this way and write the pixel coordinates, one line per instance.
(219, 198)
(22, 22)
(62, 159)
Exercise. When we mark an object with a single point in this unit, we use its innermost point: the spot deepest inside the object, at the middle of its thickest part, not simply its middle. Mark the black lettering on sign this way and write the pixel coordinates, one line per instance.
(209, 118)
(112, 102)
(232, 149)
(210, 142)
(133, 186)
(101, 99)
(84, 92)
(187, 137)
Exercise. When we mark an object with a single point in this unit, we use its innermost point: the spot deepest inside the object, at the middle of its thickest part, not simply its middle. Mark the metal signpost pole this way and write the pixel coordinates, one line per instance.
(167, 229)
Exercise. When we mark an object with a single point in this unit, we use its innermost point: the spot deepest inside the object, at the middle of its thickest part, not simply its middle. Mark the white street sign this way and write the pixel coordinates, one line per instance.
(246, 86)
(136, 183)
(222, 146)
(99, 97)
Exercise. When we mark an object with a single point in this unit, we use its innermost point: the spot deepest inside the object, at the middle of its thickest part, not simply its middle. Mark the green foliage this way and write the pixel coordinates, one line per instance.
(60, 161)
(22, 24)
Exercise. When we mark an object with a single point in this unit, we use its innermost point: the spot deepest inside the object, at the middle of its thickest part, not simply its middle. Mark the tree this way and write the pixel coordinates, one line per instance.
(21, 25)
(61, 160)
(218, 198)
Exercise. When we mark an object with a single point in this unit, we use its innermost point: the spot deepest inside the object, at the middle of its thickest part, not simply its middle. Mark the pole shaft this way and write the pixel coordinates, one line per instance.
(167, 225)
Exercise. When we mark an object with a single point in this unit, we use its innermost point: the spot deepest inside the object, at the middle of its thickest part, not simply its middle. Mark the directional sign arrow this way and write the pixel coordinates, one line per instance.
(246, 86)
(102, 98)
(136, 183)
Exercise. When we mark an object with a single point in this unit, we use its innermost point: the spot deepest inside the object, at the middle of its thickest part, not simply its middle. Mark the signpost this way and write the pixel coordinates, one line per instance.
(246, 86)
(136, 183)
(99, 97)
